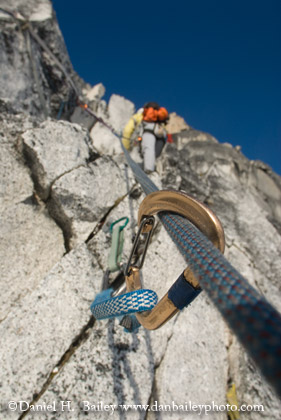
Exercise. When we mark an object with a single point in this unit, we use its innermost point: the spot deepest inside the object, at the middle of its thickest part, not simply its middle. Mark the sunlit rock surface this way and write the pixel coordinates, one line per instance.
(61, 189)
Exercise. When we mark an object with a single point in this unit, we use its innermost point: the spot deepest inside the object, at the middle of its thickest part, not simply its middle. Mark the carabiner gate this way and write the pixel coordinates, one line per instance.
(186, 287)
(146, 227)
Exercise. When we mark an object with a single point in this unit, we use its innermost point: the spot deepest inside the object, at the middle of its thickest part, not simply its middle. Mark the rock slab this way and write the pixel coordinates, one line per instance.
(54, 149)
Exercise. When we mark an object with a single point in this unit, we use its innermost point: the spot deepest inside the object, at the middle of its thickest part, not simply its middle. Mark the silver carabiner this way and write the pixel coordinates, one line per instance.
(146, 227)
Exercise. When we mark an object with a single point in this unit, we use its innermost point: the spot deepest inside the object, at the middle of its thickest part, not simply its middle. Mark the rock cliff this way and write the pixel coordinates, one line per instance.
(63, 181)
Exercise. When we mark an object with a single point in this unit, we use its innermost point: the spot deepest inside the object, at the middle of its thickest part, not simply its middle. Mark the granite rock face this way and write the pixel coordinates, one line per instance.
(104, 140)
(30, 241)
(95, 93)
(118, 112)
(226, 181)
(61, 189)
(29, 78)
(45, 324)
(53, 150)
(84, 195)
(176, 124)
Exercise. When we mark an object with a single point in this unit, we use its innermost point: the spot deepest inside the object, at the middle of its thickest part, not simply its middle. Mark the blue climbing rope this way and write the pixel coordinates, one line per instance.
(251, 317)
(255, 322)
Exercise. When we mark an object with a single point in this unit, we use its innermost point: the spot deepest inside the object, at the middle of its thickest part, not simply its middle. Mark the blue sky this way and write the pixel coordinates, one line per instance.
(216, 63)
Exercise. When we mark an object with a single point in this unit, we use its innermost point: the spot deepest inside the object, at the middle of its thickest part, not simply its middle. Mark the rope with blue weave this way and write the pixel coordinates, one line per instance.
(251, 317)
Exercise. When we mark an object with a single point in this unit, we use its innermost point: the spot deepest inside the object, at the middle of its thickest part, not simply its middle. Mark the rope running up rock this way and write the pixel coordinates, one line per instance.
(251, 317)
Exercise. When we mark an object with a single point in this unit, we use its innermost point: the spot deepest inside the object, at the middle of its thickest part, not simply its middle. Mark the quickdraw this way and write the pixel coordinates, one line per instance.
(186, 288)
(252, 318)
(115, 256)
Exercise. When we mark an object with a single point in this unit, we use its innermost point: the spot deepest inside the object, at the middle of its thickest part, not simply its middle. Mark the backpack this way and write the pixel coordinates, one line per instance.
(153, 113)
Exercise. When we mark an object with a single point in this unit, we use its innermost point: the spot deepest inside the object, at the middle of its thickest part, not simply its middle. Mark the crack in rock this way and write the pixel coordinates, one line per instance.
(154, 390)
(77, 342)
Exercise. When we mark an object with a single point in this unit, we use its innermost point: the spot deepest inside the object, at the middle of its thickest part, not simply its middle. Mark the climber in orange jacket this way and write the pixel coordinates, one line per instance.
(149, 124)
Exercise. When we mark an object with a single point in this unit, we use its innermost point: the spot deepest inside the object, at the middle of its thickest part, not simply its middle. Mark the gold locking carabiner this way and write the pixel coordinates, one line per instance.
(197, 213)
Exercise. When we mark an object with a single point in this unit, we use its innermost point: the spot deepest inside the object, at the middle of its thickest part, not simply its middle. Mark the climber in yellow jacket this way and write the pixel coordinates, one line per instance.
(131, 126)
(148, 123)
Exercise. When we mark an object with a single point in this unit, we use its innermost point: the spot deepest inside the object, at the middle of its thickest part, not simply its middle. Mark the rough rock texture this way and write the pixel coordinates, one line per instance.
(29, 78)
(222, 177)
(96, 92)
(184, 358)
(82, 118)
(30, 241)
(41, 330)
(83, 196)
(185, 136)
(56, 187)
(33, 10)
(104, 141)
(54, 149)
(119, 111)
(176, 124)
(93, 100)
